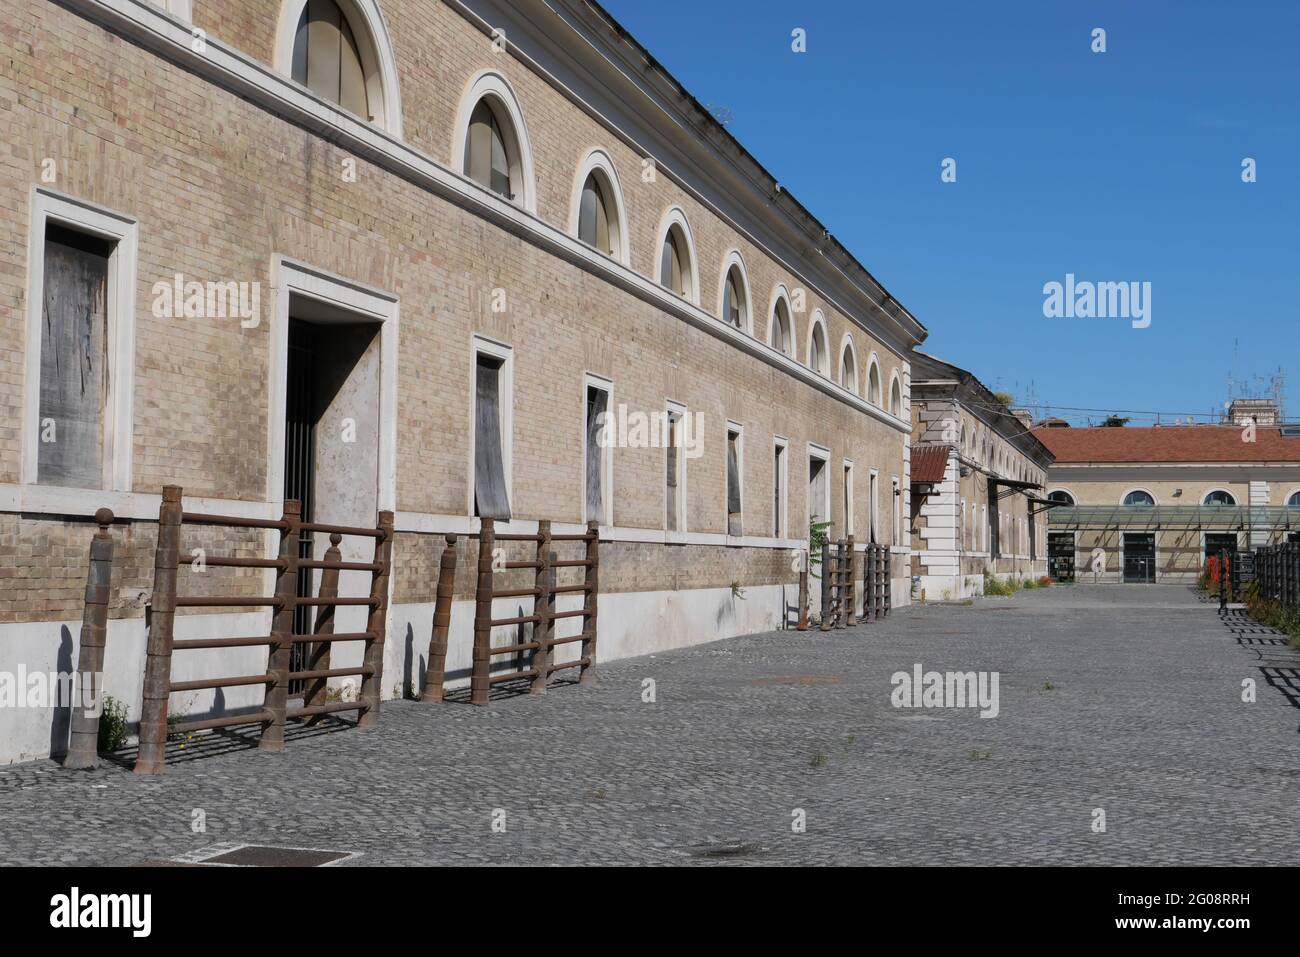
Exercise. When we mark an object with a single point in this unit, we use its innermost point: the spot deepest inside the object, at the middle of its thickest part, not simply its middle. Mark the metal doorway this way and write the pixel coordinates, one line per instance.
(300, 470)
(1060, 556)
(1139, 557)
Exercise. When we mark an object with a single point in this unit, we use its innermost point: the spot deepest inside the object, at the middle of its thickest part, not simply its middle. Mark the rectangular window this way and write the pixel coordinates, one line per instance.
(779, 478)
(896, 497)
(874, 505)
(674, 471)
(597, 453)
(491, 436)
(995, 523)
(80, 345)
(848, 498)
(734, 466)
(74, 356)
(819, 505)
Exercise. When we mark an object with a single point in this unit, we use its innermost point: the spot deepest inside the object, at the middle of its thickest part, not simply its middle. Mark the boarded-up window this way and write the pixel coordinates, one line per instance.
(597, 410)
(874, 505)
(848, 499)
(593, 216)
(74, 373)
(326, 58)
(778, 490)
(672, 476)
(490, 497)
(487, 160)
(733, 483)
(994, 525)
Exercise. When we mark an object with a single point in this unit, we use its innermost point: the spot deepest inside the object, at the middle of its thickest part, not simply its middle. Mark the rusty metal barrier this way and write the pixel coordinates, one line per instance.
(542, 618)
(274, 714)
(875, 583)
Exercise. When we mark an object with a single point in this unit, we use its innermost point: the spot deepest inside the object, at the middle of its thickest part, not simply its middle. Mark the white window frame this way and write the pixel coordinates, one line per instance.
(598, 162)
(896, 496)
(591, 380)
(823, 455)
(495, 87)
(48, 206)
(873, 487)
(781, 294)
(781, 523)
(178, 8)
(733, 260)
(291, 278)
(739, 430)
(377, 59)
(676, 216)
(482, 345)
(846, 471)
(675, 408)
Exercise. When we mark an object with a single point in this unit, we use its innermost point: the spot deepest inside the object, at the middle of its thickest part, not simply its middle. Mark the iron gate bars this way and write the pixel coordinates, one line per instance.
(162, 643)
(542, 618)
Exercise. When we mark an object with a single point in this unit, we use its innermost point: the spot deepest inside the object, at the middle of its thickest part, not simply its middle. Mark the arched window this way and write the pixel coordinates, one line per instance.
(848, 366)
(896, 398)
(598, 216)
(782, 333)
(1294, 500)
(873, 382)
(1065, 498)
(1219, 497)
(817, 349)
(326, 58)
(735, 307)
(673, 272)
(487, 157)
(1139, 497)
(491, 142)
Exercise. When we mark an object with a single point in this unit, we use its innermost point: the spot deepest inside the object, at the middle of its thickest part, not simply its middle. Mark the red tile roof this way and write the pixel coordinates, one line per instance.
(1169, 443)
(930, 462)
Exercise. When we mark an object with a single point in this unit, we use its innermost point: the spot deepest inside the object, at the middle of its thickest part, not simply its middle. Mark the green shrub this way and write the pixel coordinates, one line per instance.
(997, 588)
(112, 725)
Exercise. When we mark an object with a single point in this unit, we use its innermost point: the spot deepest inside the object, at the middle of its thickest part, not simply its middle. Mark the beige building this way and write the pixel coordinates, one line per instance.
(1149, 504)
(977, 480)
(411, 255)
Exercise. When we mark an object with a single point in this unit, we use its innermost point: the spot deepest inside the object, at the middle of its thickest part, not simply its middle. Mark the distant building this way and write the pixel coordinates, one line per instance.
(977, 478)
(1149, 504)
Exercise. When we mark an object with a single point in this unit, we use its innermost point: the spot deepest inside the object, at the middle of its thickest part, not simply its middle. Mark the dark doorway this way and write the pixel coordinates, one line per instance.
(330, 442)
(1060, 556)
(1216, 542)
(1139, 557)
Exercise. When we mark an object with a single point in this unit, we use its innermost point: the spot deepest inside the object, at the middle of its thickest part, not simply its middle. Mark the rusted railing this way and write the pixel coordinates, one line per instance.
(274, 713)
(542, 642)
(875, 583)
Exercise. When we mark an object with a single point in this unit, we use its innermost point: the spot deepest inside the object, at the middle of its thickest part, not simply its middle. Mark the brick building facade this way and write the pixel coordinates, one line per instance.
(200, 229)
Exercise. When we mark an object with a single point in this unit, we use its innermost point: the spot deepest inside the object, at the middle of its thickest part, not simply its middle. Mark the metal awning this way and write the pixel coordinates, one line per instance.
(1205, 517)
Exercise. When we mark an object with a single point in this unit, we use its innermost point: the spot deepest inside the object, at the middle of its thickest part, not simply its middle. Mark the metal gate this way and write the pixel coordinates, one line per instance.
(1139, 558)
(300, 471)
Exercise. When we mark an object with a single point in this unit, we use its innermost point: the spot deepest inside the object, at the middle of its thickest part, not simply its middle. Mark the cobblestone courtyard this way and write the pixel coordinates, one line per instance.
(1126, 699)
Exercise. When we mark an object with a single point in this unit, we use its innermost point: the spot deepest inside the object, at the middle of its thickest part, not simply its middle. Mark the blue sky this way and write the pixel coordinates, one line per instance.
(1118, 166)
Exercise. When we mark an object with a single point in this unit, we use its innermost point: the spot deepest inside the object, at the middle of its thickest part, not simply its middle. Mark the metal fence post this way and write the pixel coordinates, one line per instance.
(803, 590)
(152, 752)
(83, 741)
(828, 583)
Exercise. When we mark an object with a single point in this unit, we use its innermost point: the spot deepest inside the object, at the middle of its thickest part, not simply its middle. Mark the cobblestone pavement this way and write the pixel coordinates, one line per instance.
(1126, 699)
